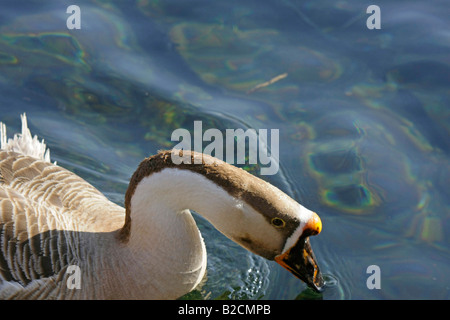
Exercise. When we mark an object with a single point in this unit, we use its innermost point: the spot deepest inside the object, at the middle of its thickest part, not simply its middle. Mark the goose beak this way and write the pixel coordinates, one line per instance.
(300, 259)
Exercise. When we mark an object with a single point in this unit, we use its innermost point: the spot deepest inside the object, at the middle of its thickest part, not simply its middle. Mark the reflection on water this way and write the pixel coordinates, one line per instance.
(363, 118)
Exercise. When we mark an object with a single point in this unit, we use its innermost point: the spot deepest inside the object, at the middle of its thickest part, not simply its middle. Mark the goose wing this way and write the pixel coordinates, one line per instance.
(44, 210)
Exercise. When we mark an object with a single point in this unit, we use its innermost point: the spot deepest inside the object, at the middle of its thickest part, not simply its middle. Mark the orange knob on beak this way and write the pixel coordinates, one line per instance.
(313, 226)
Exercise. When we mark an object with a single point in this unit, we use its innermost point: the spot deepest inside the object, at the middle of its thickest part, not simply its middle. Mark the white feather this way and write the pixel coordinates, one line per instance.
(24, 143)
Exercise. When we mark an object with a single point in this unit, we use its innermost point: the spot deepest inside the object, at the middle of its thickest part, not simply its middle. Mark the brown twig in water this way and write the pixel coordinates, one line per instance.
(267, 83)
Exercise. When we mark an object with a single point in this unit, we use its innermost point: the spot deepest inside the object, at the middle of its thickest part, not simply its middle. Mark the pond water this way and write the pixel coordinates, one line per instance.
(363, 118)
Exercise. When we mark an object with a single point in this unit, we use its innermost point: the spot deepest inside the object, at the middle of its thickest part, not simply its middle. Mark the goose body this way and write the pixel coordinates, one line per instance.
(51, 221)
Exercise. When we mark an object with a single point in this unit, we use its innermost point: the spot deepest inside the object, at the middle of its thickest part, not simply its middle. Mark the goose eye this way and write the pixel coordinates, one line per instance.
(278, 222)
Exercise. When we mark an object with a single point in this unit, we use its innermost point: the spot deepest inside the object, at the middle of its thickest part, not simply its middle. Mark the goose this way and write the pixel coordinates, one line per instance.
(61, 238)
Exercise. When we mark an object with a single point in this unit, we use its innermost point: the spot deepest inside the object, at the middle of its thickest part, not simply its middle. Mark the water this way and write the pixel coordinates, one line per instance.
(363, 118)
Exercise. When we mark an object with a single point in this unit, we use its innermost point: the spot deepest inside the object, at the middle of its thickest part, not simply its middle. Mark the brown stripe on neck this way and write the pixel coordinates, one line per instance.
(236, 181)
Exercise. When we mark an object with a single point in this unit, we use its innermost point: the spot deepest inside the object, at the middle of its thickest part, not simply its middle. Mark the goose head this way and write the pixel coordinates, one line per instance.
(274, 226)
(248, 210)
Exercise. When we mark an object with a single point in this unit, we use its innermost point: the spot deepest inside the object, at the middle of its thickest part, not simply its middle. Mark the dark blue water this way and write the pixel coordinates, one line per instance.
(363, 117)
